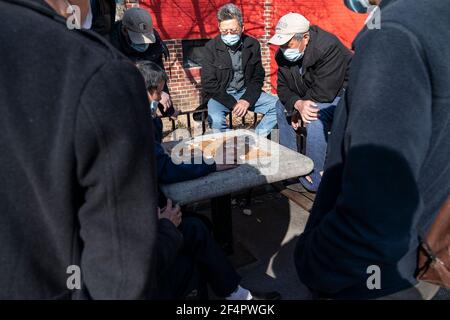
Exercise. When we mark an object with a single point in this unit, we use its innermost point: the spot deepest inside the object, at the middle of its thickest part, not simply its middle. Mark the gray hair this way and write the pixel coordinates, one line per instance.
(299, 36)
(152, 73)
(228, 12)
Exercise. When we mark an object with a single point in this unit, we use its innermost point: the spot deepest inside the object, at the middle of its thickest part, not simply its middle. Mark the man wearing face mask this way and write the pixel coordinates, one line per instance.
(312, 73)
(233, 75)
(136, 38)
(78, 196)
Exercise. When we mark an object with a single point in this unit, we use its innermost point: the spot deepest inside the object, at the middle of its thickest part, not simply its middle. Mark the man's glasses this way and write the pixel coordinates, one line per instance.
(229, 31)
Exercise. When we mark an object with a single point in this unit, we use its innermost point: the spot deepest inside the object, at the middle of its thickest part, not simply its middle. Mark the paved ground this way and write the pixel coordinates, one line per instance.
(265, 244)
(270, 235)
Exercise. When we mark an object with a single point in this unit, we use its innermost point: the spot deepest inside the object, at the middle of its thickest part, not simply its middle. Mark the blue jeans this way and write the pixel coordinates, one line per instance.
(265, 105)
(316, 139)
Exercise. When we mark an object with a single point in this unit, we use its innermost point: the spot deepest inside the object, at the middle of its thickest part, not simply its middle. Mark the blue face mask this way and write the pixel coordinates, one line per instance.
(140, 47)
(292, 54)
(153, 107)
(359, 6)
(231, 39)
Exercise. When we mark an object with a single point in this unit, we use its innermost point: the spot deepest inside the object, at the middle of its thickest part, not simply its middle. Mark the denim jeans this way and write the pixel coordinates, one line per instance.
(316, 139)
(265, 105)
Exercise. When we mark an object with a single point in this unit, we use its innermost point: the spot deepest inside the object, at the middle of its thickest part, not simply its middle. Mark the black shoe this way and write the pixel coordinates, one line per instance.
(273, 295)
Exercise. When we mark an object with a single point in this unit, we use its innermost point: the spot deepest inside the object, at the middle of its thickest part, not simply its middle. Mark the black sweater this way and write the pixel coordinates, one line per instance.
(77, 179)
(388, 167)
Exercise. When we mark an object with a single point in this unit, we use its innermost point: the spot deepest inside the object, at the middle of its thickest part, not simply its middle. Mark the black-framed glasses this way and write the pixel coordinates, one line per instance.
(230, 31)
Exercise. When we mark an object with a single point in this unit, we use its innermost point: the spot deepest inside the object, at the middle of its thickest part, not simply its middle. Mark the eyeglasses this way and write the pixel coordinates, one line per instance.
(230, 31)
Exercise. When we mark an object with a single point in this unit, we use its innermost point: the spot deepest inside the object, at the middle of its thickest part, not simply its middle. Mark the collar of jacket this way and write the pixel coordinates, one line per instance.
(44, 8)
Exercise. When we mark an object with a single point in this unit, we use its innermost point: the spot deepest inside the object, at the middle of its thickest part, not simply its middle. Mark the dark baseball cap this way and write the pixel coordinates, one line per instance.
(139, 25)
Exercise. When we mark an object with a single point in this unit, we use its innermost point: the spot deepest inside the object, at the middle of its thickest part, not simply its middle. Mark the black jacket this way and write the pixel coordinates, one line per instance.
(325, 68)
(217, 71)
(388, 164)
(104, 16)
(77, 166)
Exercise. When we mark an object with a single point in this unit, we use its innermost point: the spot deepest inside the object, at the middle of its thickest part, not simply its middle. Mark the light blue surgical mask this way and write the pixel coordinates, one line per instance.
(231, 39)
(140, 47)
(153, 107)
(292, 54)
(359, 6)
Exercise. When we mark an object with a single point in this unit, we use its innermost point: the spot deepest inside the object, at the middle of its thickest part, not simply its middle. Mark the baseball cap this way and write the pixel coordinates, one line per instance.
(139, 25)
(288, 26)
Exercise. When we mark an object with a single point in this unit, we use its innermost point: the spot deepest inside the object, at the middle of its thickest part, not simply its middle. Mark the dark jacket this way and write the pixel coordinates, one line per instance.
(325, 68)
(78, 184)
(104, 16)
(388, 168)
(169, 172)
(217, 71)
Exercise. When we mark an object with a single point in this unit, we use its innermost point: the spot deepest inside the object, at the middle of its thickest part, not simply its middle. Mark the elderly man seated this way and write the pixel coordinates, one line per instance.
(233, 75)
(313, 67)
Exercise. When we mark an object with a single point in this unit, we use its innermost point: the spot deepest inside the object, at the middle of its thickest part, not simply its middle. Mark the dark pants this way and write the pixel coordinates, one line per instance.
(201, 261)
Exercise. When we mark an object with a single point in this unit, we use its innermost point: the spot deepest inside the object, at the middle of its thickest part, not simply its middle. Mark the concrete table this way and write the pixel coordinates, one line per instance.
(277, 163)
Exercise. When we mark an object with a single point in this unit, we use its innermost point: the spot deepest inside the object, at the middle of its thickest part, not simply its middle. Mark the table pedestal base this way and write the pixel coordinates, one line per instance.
(222, 222)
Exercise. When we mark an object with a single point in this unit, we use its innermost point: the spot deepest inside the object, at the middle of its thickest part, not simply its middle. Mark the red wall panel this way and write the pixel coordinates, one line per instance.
(194, 19)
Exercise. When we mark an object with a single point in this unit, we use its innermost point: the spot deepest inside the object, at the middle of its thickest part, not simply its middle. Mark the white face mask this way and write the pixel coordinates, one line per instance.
(154, 107)
(231, 39)
(292, 54)
(87, 24)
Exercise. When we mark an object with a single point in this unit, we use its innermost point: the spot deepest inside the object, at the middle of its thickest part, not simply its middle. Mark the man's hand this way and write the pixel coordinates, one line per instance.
(173, 214)
(308, 110)
(175, 114)
(166, 101)
(241, 108)
(224, 167)
(294, 120)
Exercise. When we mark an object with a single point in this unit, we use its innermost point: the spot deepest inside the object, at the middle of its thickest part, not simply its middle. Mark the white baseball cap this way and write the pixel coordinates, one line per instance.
(289, 25)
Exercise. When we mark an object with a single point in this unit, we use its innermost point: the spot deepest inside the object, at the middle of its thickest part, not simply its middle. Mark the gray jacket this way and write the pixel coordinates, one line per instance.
(388, 166)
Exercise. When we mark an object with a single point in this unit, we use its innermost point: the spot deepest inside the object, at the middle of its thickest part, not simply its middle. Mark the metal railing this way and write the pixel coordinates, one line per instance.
(201, 115)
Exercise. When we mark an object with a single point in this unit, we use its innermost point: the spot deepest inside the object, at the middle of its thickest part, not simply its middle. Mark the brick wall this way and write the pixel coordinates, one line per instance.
(196, 19)
(184, 84)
